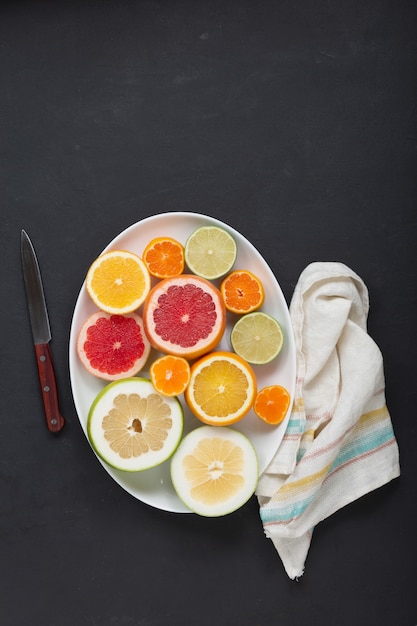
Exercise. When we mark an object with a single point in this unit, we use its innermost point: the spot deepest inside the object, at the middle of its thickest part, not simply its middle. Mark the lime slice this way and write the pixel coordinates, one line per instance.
(132, 427)
(257, 337)
(214, 470)
(210, 252)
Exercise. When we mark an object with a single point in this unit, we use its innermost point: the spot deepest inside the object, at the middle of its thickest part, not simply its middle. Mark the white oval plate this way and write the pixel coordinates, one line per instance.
(154, 486)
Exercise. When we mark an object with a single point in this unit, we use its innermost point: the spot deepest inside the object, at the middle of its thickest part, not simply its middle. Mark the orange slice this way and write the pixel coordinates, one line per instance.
(118, 282)
(170, 375)
(222, 388)
(164, 257)
(271, 404)
(184, 316)
(242, 291)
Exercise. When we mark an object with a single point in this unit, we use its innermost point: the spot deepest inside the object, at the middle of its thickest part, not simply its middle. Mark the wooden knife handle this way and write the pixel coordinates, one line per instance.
(54, 419)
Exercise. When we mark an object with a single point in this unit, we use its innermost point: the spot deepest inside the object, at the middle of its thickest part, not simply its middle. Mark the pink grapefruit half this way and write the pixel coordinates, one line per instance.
(184, 316)
(113, 346)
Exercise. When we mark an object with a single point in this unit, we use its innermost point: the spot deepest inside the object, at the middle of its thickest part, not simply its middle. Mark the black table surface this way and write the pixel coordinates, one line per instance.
(295, 123)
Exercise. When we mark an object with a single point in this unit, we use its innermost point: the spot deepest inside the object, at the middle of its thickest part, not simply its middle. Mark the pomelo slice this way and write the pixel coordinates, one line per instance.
(132, 427)
(184, 316)
(113, 346)
(214, 470)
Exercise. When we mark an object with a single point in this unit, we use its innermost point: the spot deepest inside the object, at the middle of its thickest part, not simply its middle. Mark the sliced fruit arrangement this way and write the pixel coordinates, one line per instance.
(164, 257)
(184, 316)
(137, 423)
(242, 292)
(170, 375)
(132, 427)
(210, 252)
(214, 470)
(257, 337)
(113, 346)
(118, 281)
(271, 404)
(222, 388)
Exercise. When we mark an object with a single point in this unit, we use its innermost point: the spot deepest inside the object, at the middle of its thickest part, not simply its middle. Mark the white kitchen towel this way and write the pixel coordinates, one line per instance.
(339, 443)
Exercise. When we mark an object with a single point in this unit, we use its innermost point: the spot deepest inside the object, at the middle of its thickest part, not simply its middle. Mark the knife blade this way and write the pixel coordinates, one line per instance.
(41, 332)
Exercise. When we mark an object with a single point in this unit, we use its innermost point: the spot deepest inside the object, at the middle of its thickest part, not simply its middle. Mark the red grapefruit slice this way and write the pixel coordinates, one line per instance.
(184, 316)
(113, 346)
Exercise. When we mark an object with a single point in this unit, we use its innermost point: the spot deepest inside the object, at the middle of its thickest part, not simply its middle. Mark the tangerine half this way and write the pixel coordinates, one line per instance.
(242, 291)
(170, 374)
(271, 404)
(164, 257)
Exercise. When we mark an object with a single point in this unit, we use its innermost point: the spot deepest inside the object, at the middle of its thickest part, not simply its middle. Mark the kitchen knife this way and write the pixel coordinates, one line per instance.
(41, 333)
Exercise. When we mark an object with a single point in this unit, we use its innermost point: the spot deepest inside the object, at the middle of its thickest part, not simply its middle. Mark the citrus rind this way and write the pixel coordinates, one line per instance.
(132, 427)
(214, 470)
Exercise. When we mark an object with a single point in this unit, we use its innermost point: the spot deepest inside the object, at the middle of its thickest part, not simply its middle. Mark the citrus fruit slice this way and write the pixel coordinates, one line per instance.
(210, 252)
(222, 388)
(132, 427)
(170, 374)
(271, 404)
(113, 346)
(164, 257)
(257, 337)
(242, 291)
(214, 470)
(118, 281)
(184, 316)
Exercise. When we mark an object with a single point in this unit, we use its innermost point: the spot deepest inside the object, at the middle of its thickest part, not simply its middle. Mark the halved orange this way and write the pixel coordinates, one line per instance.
(118, 282)
(222, 388)
(271, 404)
(184, 316)
(170, 375)
(242, 291)
(164, 257)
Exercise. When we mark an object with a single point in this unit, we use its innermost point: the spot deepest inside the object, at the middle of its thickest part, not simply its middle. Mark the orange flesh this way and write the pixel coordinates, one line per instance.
(242, 292)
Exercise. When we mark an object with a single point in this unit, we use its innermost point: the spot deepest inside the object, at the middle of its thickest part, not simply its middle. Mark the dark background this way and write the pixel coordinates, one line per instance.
(294, 122)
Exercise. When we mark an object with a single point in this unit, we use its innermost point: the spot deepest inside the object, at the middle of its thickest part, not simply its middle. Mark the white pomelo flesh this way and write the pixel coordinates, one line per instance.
(214, 470)
(132, 427)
